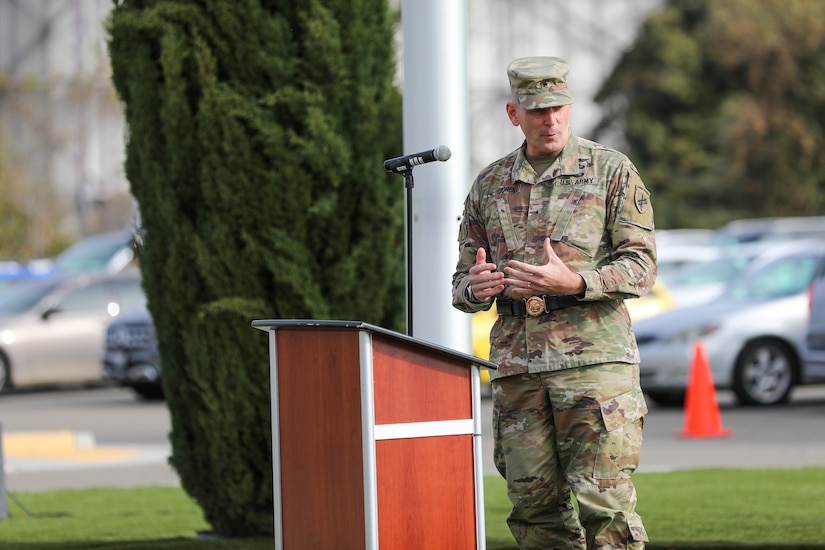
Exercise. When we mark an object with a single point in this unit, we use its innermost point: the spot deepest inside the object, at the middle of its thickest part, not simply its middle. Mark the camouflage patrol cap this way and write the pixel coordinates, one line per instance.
(539, 82)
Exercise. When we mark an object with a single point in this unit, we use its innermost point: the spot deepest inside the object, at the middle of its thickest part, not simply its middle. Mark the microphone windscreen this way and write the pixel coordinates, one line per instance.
(442, 153)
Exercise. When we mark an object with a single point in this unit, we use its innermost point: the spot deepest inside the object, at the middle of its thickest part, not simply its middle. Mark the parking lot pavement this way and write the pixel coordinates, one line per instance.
(74, 476)
(786, 436)
(777, 437)
(47, 460)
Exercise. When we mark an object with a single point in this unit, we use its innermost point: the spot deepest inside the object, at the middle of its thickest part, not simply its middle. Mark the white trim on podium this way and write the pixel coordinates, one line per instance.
(424, 429)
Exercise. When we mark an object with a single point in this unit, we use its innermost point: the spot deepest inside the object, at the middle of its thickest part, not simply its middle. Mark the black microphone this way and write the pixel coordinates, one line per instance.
(400, 164)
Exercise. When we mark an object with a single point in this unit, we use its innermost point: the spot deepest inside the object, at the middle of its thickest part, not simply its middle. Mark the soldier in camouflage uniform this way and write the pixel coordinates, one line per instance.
(559, 233)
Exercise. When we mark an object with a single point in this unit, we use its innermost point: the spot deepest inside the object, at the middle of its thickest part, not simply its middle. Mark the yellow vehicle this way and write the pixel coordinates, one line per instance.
(657, 301)
(482, 322)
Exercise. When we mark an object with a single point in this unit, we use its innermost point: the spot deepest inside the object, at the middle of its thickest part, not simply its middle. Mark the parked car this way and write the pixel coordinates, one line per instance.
(52, 331)
(813, 344)
(751, 333)
(672, 259)
(11, 269)
(702, 283)
(131, 357)
(481, 322)
(101, 253)
(750, 230)
(684, 236)
(658, 300)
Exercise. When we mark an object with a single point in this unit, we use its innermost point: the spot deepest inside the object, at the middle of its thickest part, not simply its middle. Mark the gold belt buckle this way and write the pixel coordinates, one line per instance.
(534, 306)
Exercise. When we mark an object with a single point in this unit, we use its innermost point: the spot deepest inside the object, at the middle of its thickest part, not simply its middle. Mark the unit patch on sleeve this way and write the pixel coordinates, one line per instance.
(642, 199)
(638, 209)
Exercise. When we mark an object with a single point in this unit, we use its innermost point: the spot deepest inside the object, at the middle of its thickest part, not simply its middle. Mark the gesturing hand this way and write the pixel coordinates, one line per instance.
(552, 277)
(485, 281)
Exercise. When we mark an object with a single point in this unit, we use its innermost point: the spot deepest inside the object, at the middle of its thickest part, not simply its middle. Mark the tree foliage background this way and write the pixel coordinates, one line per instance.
(722, 106)
(257, 133)
(13, 222)
(20, 232)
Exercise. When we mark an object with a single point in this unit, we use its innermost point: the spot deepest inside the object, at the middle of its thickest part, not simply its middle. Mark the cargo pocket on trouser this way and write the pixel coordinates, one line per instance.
(621, 439)
(607, 501)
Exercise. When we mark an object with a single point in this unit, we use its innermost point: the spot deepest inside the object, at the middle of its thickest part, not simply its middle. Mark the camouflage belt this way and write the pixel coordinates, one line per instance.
(535, 305)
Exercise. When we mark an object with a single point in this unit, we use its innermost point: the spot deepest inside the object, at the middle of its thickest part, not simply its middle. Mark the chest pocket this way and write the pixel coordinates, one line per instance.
(560, 229)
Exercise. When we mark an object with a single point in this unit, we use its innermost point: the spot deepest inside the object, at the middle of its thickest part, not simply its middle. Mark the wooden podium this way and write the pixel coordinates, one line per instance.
(376, 439)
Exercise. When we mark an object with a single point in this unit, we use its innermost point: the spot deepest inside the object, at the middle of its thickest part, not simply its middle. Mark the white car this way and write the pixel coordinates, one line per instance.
(672, 259)
(52, 332)
(751, 333)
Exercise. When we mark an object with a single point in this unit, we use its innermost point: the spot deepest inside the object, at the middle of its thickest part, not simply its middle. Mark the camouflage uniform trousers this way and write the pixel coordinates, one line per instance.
(565, 435)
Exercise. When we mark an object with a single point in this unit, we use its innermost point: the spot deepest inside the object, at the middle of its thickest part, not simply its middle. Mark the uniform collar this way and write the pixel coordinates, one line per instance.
(567, 163)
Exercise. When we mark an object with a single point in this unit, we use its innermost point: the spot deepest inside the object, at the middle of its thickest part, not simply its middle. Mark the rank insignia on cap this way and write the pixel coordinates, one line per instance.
(539, 82)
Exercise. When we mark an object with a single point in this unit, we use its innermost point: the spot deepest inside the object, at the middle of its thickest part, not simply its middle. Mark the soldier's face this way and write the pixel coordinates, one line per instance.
(545, 130)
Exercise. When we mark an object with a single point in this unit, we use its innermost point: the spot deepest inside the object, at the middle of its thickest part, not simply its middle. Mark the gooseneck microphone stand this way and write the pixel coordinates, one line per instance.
(404, 167)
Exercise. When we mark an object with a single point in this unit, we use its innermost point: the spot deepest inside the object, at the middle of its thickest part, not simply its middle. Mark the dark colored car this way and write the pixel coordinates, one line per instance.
(130, 358)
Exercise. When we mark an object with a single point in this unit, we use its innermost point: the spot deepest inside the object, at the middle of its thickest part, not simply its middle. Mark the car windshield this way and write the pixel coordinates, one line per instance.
(87, 256)
(722, 270)
(783, 277)
(19, 298)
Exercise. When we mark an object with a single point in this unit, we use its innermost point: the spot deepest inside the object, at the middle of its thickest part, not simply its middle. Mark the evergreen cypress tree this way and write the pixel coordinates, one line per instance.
(257, 133)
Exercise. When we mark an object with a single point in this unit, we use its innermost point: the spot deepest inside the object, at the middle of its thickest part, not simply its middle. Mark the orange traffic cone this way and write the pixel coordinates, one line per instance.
(702, 418)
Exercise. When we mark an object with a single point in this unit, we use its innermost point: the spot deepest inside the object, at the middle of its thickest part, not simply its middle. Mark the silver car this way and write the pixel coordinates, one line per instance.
(751, 333)
(703, 282)
(53, 331)
(813, 344)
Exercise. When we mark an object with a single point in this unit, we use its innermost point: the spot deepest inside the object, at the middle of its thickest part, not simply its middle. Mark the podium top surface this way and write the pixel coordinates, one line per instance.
(274, 324)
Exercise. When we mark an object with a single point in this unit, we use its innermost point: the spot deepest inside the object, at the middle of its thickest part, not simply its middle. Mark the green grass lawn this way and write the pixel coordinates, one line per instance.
(718, 509)
(710, 509)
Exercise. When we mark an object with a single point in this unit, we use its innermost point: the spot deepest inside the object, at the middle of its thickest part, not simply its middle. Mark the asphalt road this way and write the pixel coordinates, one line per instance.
(108, 437)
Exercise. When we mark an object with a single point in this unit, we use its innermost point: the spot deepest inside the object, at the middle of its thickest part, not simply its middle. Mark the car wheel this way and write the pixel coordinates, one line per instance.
(765, 373)
(5, 374)
(666, 398)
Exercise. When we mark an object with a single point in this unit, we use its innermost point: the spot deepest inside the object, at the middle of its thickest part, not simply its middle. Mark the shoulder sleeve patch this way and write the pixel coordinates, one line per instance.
(637, 208)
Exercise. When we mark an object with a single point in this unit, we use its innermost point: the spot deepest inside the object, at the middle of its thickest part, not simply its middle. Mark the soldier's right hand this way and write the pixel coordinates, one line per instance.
(485, 280)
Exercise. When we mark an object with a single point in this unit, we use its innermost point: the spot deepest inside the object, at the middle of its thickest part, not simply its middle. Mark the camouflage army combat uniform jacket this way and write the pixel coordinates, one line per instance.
(594, 207)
